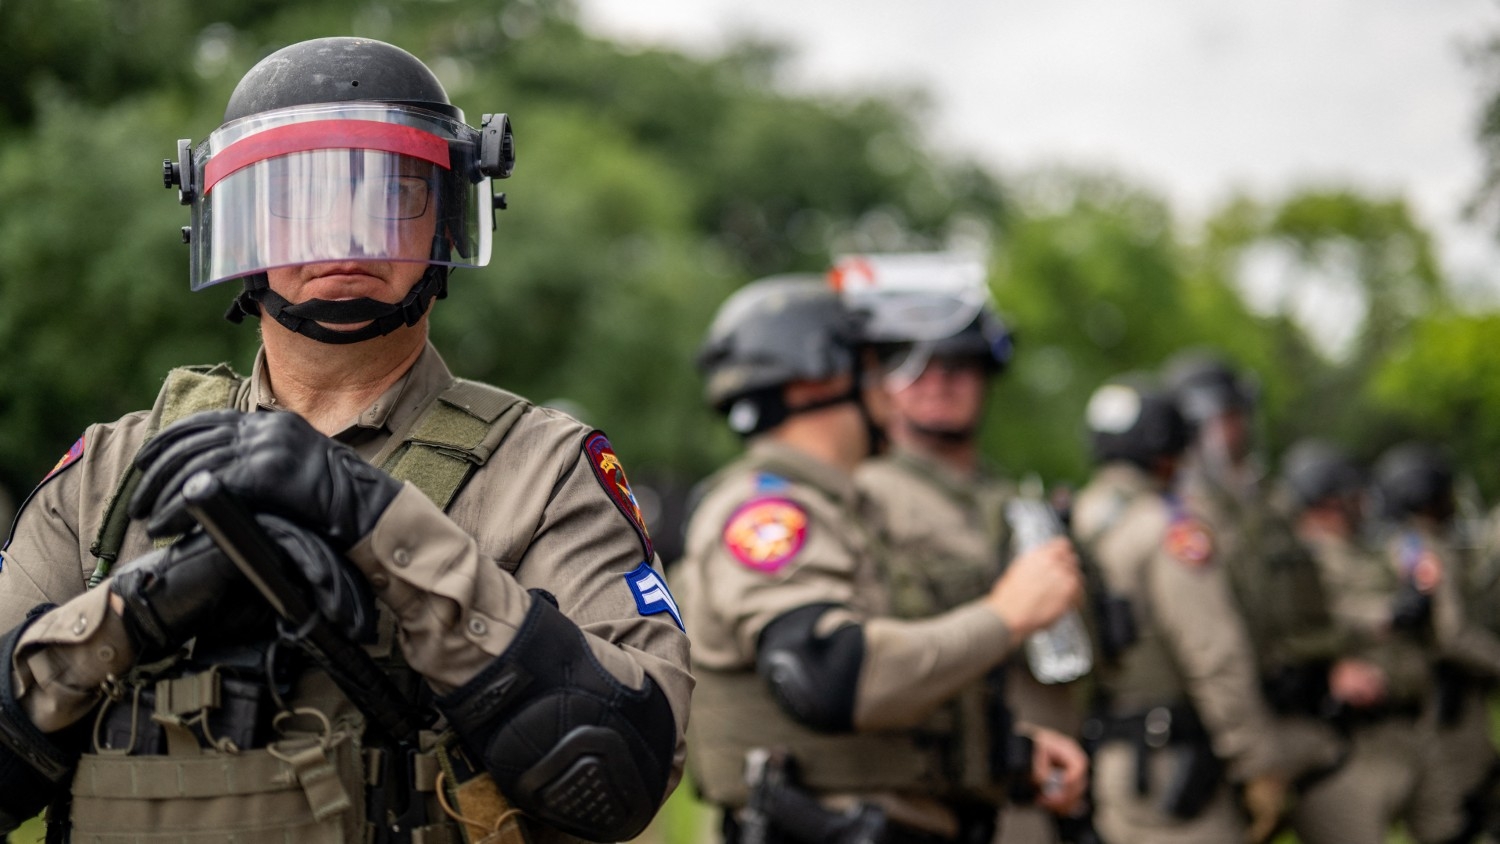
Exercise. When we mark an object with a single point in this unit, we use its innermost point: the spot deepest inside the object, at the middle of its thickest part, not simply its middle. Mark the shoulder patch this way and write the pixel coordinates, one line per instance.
(764, 534)
(611, 475)
(1189, 542)
(651, 593)
(67, 460)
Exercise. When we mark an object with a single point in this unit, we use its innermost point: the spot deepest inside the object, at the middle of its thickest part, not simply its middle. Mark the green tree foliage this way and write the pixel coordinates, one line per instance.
(649, 186)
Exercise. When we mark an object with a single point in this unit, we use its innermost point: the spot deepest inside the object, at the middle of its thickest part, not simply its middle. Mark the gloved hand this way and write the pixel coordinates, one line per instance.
(271, 462)
(175, 593)
(1265, 800)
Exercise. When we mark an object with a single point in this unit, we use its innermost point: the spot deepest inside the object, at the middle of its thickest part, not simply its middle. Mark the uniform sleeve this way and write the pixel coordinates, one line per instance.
(1199, 620)
(458, 610)
(913, 667)
(1458, 637)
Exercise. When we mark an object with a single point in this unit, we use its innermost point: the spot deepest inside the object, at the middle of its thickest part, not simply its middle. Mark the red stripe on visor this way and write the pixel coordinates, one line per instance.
(325, 134)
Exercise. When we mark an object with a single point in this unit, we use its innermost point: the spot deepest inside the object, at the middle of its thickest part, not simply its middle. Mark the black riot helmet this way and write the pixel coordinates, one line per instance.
(1414, 478)
(1130, 418)
(333, 150)
(925, 305)
(768, 334)
(1207, 386)
(1315, 471)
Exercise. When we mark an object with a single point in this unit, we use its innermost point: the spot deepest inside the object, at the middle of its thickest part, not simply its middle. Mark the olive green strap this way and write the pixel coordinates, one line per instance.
(453, 436)
(186, 391)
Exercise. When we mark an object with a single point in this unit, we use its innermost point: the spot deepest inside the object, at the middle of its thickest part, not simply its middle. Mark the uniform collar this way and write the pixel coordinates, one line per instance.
(391, 411)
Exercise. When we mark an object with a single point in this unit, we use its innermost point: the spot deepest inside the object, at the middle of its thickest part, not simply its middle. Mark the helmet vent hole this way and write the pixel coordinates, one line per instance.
(354, 84)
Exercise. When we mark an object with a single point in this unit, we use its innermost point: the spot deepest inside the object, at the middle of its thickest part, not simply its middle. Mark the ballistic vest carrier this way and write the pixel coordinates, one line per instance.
(309, 784)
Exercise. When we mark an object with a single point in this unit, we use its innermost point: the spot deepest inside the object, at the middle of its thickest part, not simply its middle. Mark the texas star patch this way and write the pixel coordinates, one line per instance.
(651, 593)
(766, 533)
(611, 476)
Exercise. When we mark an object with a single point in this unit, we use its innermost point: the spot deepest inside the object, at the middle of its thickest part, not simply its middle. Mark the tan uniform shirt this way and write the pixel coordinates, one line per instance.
(951, 529)
(536, 515)
(778, 530)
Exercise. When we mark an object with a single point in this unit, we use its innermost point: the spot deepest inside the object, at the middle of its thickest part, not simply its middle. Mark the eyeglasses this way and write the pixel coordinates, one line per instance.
(383, 197)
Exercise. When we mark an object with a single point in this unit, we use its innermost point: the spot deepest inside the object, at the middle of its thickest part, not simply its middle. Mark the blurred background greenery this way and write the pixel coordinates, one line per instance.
(650, 184)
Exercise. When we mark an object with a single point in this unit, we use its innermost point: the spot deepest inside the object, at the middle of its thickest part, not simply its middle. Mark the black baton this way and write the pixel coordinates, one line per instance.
(264, 564)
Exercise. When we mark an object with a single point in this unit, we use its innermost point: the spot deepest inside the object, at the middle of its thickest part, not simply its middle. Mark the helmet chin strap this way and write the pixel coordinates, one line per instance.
(304, 318)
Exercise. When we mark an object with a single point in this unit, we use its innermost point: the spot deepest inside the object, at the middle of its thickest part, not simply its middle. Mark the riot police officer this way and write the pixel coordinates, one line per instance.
(521, 616)
(1388, 776)
(945, 510)
(823, 711)
(1303, 656)
(1181, 721)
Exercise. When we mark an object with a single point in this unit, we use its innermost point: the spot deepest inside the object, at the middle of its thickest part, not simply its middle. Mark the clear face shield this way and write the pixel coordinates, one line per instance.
(338, 182)
(913, 303)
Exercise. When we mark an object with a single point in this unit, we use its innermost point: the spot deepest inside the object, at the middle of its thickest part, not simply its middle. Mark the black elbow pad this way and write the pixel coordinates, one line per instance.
(565, 741)
(34, 767)
(812, 677)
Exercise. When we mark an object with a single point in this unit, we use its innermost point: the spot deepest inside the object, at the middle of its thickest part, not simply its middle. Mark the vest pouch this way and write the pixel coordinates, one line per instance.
(296, 790)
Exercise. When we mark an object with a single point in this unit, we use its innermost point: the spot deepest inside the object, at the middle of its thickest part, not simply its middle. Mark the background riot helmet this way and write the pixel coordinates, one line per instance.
(769, 333)
(923, 305)
(1206, 386)
(340, 149)
(1131, 419)
(1414, 479)
(1315, 471)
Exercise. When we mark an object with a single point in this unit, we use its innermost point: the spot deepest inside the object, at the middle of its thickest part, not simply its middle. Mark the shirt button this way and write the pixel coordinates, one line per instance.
(402, 557)
(106, 653)
(379, 581)
(80, 624)
(477, 626)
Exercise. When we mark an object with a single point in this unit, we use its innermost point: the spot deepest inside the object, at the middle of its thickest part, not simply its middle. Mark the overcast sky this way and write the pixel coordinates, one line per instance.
(1193, 98)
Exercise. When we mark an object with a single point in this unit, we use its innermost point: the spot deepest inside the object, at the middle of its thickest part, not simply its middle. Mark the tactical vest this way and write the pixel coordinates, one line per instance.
(948, 756)
(1277, 586)
(309, 784)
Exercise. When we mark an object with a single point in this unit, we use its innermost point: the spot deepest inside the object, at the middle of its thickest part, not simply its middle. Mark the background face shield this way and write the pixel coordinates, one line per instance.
(362, 182)
(913, 298)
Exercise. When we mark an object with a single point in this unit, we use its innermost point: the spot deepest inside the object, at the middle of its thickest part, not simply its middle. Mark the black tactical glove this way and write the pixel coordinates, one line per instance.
(271, 462)
(190, 587)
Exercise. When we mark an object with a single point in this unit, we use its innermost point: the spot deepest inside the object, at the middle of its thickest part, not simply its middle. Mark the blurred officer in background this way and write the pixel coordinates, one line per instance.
(1387, 777)
(940, 343)
(1413, 484)
(1181, 725)
(826, 711)
(500, 539)
(1303, 656)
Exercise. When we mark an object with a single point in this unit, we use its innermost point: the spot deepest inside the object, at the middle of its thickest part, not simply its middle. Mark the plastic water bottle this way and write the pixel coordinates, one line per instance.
(1060, 653)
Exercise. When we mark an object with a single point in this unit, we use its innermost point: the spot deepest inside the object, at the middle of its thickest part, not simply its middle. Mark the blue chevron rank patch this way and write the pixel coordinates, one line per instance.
(651, 593)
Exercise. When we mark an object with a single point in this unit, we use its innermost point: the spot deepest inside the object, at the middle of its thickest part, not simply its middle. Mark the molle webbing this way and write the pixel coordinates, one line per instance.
(187, 390)
(451, 438)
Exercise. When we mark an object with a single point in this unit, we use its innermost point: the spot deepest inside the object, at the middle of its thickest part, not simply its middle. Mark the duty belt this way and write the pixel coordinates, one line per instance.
(1156, 727)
